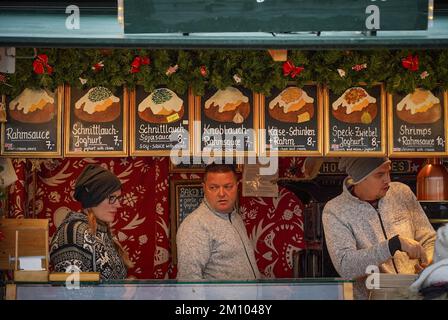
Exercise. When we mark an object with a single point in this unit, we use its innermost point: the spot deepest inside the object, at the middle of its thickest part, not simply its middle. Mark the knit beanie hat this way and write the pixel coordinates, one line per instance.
(94, 185)
(360, 168)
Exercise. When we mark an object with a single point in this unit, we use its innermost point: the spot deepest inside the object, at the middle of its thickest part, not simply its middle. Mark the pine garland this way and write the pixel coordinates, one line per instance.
(216, 69)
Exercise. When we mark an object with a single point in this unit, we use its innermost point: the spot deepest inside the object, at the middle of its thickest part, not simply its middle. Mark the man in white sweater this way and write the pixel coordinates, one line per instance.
(375, 222)
(212, 241)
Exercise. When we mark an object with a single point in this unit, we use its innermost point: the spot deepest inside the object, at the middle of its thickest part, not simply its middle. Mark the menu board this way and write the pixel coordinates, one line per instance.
(96, 122)
(291, 121)
(417, 123)
(185, 197)
(355, 122)
(33, 127)
(160, 120)
(228, 122)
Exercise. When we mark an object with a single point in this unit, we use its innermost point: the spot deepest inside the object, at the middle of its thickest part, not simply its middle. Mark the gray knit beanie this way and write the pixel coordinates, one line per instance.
(94, 185)
(360, 168)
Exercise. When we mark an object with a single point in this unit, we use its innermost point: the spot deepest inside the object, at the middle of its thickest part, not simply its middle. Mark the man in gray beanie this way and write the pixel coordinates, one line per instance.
(375, 224)
(360, 168)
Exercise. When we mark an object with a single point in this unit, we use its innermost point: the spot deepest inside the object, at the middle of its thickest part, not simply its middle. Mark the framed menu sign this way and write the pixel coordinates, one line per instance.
(34, 122)
(160, 120)
(355, 122)
(226, 123)
(96, 122)
(185, 197)
(418, 124)
(291, 121)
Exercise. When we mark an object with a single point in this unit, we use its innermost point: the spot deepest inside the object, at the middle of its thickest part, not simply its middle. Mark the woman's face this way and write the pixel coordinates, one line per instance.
(108, 208)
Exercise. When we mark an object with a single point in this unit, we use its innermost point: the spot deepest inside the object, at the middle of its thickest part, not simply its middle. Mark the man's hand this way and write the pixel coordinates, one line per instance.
(414, 250)
(421, 265)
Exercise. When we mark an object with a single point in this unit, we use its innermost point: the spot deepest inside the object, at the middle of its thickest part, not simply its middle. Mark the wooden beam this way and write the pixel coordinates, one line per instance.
(347, 291)
(11, 292)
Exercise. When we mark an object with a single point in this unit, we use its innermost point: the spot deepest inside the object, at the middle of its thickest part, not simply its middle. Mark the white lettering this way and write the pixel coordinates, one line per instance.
(373, 20)
(373, 280)
(73, 21)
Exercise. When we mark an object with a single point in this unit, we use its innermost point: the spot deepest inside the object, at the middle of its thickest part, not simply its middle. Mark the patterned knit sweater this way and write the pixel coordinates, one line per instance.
(73, 246)
(214, 246)
(355, 236)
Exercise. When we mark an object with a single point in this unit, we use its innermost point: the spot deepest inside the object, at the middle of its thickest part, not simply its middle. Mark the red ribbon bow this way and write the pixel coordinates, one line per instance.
(3, 81)
(290, 69)
(98, 66)
(40, 64)
(171, 70)
(410, 62)
(203, 71)
(137, 62)
(359, 67)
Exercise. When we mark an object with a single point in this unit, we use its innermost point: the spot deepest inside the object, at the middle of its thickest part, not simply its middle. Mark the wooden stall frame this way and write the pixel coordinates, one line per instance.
(197, 134)
(347, 291)
(328, 153)
(59, 140)
(390, 126)
(174, 210)
(67, 128)
(11, 291)
(163, 153)
(319, 113)
(15, 226)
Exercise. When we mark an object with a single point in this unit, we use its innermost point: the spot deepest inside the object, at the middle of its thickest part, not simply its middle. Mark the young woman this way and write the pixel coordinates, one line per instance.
(83, 242)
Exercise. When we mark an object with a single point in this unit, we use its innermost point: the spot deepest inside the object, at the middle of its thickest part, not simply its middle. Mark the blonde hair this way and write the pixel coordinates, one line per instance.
(121, 252)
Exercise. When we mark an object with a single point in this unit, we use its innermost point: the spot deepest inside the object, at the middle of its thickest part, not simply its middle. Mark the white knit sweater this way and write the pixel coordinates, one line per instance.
(214, 246)
(355, 237)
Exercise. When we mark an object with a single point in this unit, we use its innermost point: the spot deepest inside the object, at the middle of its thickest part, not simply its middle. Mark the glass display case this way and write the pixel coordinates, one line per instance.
(272, 289)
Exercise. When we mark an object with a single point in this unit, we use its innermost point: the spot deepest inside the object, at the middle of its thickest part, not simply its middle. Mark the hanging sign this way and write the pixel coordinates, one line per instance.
(418, 124)
(160, 121)
(291, 121)
(355, 122)
(96, 122)
(227, 121)
(33, 127)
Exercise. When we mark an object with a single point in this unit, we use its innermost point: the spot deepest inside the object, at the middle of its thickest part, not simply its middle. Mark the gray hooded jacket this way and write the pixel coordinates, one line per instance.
(355, 237)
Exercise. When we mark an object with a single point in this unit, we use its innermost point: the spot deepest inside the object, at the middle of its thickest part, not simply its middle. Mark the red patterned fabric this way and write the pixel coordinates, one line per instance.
(140, 226)
(17, 197)
(275, 225)
(291, 167)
